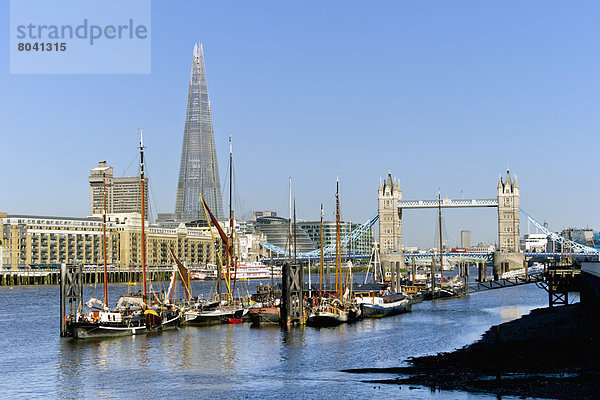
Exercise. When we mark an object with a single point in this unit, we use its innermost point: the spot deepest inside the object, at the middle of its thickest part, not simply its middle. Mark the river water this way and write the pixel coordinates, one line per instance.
(236, 361)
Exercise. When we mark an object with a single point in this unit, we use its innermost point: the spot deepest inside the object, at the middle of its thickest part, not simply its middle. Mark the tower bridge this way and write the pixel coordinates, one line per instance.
(389, 214)
(391, 207)
(448, 203)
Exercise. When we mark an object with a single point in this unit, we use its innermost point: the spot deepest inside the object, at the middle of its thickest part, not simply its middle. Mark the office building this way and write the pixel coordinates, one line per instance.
(123, 195)
(198, 169)
(465, 239)
(277, 232)
(361, 245)
(535, 242)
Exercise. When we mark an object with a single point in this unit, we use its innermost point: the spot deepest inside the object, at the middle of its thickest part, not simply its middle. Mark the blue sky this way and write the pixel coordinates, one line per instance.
(445, 94)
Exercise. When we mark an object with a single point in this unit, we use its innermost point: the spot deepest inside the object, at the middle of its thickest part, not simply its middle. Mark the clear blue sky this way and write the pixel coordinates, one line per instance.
(445, 94)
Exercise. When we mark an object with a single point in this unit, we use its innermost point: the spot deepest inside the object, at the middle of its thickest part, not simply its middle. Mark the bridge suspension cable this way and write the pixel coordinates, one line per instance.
(558, 238)
(330, 248)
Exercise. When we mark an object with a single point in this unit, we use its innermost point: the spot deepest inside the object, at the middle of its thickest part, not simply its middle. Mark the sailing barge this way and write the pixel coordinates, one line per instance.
(340, 308)
(130, 317)
(134, 314)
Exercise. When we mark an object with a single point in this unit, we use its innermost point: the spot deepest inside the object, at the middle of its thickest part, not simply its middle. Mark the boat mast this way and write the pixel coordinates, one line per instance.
(295, 231)
(321, 268)
(432, 269)
(441, 243)
(143, 216)
(338, 245)
(104, 241)
(309, 276)
(290, 221)
(231, 243)
(224, 239)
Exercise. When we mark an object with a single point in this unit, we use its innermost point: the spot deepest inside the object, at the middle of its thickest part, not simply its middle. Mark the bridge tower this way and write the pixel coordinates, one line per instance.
(390, 224)
(508, 214)
(509, 254)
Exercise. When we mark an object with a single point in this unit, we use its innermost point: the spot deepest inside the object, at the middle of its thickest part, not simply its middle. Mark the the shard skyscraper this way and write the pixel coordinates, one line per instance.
(198, 171)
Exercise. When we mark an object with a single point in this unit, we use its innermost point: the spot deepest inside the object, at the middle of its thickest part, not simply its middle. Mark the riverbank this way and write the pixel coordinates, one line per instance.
(549, 353)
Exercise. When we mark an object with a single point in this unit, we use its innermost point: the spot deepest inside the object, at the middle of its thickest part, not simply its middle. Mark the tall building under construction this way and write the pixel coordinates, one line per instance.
(198, 171)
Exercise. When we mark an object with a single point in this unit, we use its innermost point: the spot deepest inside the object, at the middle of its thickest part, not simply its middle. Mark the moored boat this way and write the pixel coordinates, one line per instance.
(332, 313)
(264, 315)
(251, 271)
(217, 315)
(340, 308)
(134, 314)
(204, 274)
(225, 308)
(383, 306)
(129, 318)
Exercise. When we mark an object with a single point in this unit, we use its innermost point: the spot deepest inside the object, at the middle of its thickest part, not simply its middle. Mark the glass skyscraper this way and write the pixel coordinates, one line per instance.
(198, 171)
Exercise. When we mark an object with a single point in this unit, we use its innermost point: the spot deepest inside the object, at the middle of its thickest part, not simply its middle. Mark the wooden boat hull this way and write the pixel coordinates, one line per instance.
(211, 317)
(136, 326)
(264, 315)
(385, 310)
(441, 294)
(327, 318)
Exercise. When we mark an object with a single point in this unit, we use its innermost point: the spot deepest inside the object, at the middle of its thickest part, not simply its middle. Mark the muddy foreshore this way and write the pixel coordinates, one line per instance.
(549, 353)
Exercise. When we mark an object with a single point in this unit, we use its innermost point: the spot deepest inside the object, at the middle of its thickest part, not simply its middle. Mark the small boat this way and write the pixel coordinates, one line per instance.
(211, 314)
(383, 306)
(264, 315)
(440, 293)
(332, 313)
(204, 274)
(266, 309)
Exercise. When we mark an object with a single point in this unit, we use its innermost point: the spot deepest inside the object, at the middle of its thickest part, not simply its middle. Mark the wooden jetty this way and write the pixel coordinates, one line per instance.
(90, 275)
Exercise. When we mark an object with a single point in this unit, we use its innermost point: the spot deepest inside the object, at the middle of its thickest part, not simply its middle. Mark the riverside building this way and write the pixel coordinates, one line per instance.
(43, 241)
(361, 245)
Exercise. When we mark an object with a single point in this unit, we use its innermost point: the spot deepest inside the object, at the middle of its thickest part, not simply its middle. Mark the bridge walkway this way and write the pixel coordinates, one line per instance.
(507, 282)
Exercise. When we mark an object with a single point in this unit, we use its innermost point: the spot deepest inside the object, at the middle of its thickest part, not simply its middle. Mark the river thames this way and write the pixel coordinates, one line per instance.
(237, 361)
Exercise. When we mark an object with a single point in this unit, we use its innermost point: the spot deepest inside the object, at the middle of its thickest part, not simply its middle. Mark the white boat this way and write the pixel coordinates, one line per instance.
(382, 306)
(204, 274)
(253, 270)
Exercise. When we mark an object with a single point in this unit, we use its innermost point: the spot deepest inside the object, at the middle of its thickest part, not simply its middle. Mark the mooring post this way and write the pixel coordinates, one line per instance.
(71, 289)
(63, 325)
(398, 276)
(284, 321)
(468, 277)
(296, 293)
(485, 271)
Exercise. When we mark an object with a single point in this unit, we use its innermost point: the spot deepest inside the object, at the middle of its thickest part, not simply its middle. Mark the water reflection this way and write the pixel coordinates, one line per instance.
(234, 360)
(510, 313)
(69, 382)
(229, 350)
